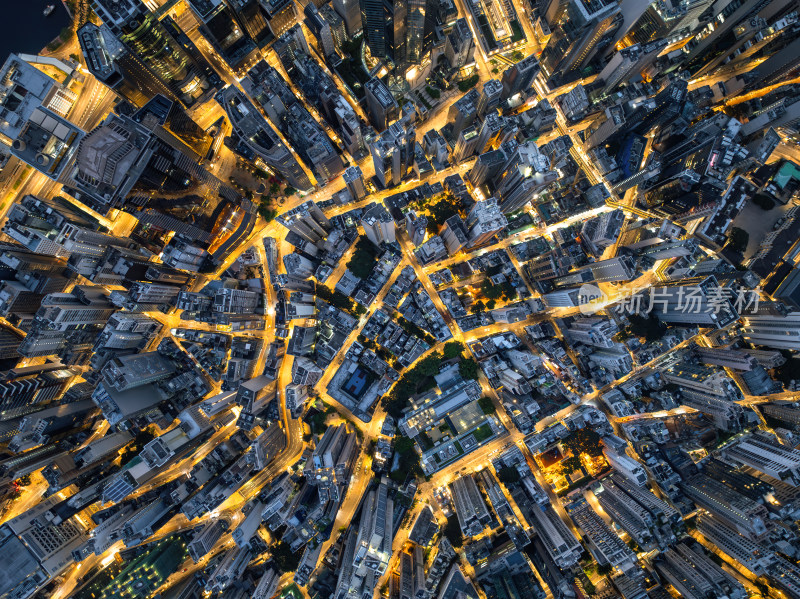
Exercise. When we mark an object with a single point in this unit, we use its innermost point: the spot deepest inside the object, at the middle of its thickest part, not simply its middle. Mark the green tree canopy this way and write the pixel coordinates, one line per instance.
(468, 368)
(508, 475)
(453, 349)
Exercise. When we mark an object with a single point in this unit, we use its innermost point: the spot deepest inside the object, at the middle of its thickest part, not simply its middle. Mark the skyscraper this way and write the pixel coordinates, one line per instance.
(154, 47)
(519, 77)
(350, 11)
(580, 34)
(378, 224)
(374, 19)
(393, 152)
(381, 105)
(419, 20)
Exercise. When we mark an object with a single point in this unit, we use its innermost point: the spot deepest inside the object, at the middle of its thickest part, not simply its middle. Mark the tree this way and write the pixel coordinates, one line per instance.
(584, 440)
(468, 368)
(604, 569)
(139, 441)
(478, 306)
(508, 475)
(491, 304)
(490, 290)
(429, 366)
(739, 239)
(360, 310)
(651, 328)
(285, 560)
(433, 92)
(468, 83)
(453, 349)
(487, 405)
(404, 446)
(452, 531)
(763, 201)
(363, 259)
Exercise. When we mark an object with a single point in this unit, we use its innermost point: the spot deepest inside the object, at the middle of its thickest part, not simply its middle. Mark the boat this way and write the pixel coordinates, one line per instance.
(49, 9)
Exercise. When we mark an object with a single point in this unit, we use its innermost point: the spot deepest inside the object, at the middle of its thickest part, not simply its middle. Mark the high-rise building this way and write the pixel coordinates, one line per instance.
(454, 234)
(741, 549)
(393, 152)
(466, 144)
(84, 306)
(281, 15)
(786, 412)
(490, 96)
(484, 221)
(381, 105)
(519, 77)
(220, 26)
(253, 18)
(258, 136)
(378, 224)
(745, 515)
(780, 330)
(604, 544)
(463, 112)
(373, 546)
(37, 549)
(308, 221)
(23, 88)
(354, 179)
(155, 48)
(699, 304)
(350, 11)
(763, 453)
(47, 142)
(687, 568)
(419, 19)
(385, 26)
(525, 171)
(471, 510)
(583, 30)
(559, 542)
(332, 461)
(459, 46)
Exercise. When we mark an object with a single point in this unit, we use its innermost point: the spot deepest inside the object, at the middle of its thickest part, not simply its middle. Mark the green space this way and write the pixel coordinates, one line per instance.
(409, 460)
(738, 239)
(363, 260)
(415, 380)
(483, 432)
(492, 291)
(487, 405)
(134, 447)
(453, 349)
(340, 300)
(452, 531)
(412, 329)
(266, 208)
(508, 475)
(516, 32)
(650, 327)
(284, 559)
(584, 440)
(442, 210)
(468, 83)
(468, 368)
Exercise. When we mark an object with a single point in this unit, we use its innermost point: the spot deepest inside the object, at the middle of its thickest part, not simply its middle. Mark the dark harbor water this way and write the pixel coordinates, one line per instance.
(23, 27)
